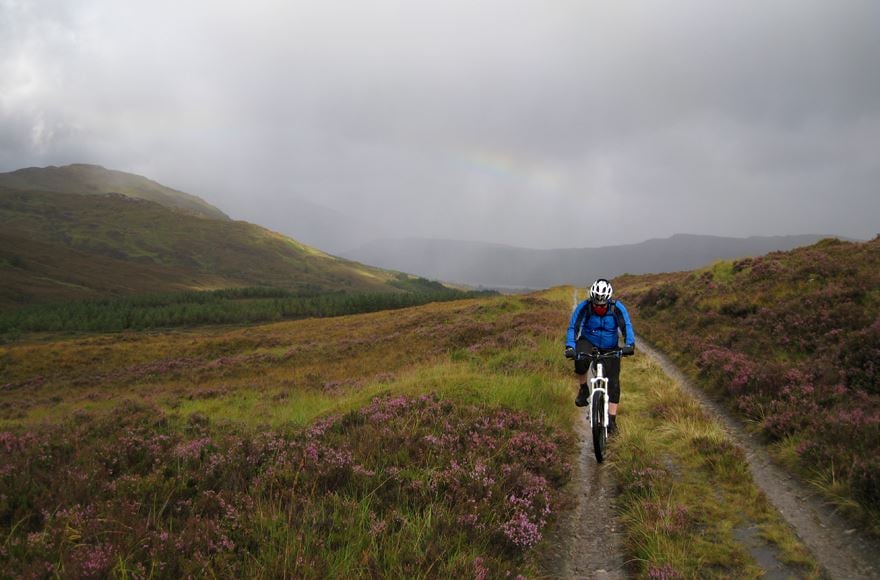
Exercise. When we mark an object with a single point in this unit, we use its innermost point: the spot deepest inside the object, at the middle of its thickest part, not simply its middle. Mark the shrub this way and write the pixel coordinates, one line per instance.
(865, 480)
(659, 297)
(859, 358)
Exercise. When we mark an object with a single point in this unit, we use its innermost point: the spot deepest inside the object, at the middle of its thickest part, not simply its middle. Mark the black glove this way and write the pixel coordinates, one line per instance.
(569, 352)
(628, 350)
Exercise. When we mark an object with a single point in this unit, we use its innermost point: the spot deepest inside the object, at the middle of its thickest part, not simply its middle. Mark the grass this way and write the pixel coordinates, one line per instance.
(722, 271)
(686, 489)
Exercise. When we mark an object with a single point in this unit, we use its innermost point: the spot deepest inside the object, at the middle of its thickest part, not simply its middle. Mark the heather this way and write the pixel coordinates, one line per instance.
(403, 486)
(791, 340)
(422, 442)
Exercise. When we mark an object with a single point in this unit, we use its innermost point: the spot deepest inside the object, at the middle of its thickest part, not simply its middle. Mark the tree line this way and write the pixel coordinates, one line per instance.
(228, 306)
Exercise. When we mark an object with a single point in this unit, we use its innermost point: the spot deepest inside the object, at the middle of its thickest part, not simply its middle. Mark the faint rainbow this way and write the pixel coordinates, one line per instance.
(506, 166)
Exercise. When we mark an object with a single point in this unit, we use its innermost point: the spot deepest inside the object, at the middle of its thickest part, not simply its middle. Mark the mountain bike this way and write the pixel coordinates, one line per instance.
(598, 409)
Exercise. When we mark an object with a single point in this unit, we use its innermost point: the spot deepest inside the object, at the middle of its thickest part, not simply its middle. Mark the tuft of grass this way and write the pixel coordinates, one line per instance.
(722, 271)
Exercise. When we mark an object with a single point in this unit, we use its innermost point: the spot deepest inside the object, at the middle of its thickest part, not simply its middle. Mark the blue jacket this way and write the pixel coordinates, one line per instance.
(600, 331)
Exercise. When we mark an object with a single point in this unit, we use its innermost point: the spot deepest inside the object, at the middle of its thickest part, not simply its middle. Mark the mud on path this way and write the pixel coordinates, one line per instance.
(842, 550)
(589, 543)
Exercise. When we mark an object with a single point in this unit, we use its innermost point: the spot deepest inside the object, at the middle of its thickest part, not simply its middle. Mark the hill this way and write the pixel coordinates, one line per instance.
(791, 341)
(499, 266)
(93, 179)
(62, 246)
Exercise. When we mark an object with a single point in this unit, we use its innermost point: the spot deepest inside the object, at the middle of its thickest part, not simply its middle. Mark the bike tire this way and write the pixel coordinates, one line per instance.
(600, 435)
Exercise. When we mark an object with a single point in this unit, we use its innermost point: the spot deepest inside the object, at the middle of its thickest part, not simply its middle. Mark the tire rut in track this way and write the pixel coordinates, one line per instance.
(589, 540)
(841, 549)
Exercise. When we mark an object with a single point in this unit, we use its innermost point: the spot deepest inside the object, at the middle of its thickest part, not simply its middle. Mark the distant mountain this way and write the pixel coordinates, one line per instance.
(61, 246)
(94, 179)
(500, 266)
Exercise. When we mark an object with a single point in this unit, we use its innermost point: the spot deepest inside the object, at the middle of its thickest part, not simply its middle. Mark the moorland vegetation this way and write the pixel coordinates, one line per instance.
(61, 247)
(423, 442)
(83, 233)
(86, 179)
(413, 443)
(791, 341)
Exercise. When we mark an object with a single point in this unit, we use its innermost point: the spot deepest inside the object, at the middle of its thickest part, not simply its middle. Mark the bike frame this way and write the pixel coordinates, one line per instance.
(599, 383)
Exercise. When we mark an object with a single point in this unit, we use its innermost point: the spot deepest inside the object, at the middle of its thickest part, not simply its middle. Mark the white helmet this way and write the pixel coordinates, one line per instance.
(601, 291)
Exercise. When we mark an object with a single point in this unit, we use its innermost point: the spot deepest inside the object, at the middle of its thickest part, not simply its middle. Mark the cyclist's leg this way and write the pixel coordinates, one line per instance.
(581, 370)
(612, 371)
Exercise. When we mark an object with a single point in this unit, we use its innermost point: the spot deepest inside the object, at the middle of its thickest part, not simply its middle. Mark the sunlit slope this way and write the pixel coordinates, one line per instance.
(94, 179)
(61, 246)
(791, 340)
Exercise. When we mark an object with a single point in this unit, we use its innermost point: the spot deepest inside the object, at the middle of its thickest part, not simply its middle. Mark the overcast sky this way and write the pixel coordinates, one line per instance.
(562, 123)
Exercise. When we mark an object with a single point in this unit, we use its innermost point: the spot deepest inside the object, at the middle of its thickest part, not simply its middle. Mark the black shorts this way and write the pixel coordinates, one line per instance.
(611, 367)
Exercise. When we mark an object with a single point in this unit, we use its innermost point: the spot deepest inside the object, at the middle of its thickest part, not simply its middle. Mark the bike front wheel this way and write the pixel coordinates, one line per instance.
(600, 433)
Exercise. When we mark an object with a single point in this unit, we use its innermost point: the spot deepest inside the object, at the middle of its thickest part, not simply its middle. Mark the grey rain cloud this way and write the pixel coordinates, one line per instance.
(541, 124)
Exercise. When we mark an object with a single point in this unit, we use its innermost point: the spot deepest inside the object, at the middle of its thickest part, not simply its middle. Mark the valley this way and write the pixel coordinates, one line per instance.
(181, 394)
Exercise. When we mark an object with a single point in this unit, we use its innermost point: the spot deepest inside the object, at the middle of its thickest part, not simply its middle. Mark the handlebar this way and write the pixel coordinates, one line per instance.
(596, 355)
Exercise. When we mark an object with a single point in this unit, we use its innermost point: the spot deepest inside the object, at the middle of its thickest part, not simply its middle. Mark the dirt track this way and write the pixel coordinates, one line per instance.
(590, 541)
(843, 551)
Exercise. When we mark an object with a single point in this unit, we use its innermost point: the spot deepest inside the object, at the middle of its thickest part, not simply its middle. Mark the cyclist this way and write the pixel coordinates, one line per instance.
(595, 324)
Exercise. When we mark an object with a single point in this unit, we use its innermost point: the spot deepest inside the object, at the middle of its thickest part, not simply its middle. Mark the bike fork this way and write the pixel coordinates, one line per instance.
(605, 413)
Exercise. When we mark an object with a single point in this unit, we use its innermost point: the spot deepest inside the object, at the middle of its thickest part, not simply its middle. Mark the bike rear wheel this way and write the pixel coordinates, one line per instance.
(600, 435)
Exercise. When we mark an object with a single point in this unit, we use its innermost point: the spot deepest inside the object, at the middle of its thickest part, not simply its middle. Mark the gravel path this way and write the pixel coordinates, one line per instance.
(842, 550)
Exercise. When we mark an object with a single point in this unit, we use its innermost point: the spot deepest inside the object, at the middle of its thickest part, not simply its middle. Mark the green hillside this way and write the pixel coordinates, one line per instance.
(792, 341)
(59, 247)
(94, 179)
